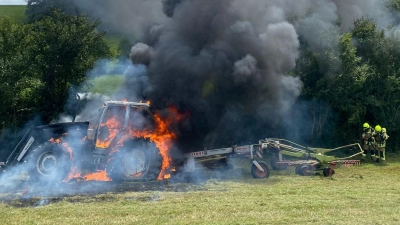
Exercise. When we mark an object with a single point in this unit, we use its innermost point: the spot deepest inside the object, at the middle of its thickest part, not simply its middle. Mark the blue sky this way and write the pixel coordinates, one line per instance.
(12, 2)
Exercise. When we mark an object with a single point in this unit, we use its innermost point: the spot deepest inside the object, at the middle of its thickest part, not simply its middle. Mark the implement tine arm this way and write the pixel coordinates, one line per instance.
(326, 150)
(277, 143)
(298, 150)
(358, 153)
(284, 140)
(290, 149)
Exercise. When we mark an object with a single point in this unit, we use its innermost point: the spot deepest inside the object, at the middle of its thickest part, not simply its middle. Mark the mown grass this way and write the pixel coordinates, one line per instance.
(15, 11)
(367, 194)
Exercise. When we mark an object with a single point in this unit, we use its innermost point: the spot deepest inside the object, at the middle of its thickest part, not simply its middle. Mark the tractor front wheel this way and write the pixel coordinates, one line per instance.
(49, 162)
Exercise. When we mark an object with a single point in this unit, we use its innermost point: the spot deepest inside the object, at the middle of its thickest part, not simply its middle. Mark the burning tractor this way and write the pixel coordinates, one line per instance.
(126, 142)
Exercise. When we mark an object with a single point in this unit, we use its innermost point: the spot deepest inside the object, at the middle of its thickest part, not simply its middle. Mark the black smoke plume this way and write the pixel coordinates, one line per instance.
(217, 64)
(229, 62)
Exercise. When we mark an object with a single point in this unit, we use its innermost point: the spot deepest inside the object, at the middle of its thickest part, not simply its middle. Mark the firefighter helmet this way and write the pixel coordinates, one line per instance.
(365, 125)
(378, 128)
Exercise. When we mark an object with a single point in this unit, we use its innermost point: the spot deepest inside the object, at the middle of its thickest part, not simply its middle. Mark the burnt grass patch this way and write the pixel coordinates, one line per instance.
(23, 193)
(91, 191)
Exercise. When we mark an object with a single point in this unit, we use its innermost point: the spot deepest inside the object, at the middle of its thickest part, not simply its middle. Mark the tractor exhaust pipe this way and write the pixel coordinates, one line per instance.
(78, 105)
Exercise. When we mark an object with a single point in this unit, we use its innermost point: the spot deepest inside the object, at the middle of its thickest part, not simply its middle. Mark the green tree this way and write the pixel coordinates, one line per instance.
(20, 82)
(345, 91)
(37, 9)
(68, 47)
(382, 53)
(366, 88)
(39, 63)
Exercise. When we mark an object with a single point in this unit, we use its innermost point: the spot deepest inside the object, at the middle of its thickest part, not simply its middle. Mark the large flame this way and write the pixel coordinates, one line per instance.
(95, 176)
(161, 135)
(74, 173)
(112, 125)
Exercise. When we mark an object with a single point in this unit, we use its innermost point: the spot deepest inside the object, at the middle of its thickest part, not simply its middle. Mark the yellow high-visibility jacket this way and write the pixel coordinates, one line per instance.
(380, 139)
(368, 136)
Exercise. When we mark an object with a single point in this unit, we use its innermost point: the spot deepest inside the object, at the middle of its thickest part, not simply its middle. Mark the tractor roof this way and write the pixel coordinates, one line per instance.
(125, 103)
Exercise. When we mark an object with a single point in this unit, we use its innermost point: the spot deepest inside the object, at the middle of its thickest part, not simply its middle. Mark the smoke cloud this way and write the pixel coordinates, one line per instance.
(217, 62)
(227, 62)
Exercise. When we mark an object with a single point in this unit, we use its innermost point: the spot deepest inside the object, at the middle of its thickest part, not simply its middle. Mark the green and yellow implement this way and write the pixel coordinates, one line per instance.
(309, 159)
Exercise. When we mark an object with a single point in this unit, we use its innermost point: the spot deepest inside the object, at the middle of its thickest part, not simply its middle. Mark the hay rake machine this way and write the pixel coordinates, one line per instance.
(218, 159)
(310, 160)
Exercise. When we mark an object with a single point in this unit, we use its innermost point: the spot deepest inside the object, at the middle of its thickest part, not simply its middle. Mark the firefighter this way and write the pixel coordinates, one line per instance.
(368, 141)
(380, 143)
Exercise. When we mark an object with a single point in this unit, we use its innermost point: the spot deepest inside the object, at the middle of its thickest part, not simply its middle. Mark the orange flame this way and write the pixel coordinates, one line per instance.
(147, 102)
(99, 175)
(162, 136)
(73, 173)
(112, 125)
(52, 140)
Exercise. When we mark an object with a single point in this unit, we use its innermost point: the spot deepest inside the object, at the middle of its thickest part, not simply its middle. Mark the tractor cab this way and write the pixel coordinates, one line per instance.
(117, 116)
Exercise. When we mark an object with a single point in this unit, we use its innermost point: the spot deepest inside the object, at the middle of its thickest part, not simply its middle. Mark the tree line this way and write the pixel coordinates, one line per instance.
(365, 89)
(40, 61)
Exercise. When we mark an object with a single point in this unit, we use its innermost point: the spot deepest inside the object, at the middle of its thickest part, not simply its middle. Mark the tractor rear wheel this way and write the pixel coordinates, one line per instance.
(256, 173)
(49, 162)
(137, 160)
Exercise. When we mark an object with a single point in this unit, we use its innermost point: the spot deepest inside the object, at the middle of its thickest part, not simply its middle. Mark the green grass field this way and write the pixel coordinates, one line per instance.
(366, 194)
(15, 11)
(107, 84)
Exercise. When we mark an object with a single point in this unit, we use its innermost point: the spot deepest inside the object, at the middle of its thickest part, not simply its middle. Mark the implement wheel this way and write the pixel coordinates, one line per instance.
(256, 173)
(306, 170)
(297, 169)
(328, 172)
(278, 166)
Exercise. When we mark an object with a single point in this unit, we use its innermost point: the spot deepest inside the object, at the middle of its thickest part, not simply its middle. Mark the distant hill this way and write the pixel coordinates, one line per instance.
(15, 11)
